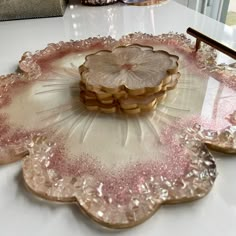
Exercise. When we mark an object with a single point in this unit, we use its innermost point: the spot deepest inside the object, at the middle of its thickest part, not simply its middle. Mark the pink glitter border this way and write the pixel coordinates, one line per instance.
(32, 66)
(52, 176)
(205, 57)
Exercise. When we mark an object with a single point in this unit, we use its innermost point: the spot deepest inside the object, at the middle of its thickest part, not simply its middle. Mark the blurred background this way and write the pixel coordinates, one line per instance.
(220, 10)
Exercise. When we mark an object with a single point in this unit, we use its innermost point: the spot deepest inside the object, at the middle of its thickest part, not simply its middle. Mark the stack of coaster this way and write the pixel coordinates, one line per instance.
(131, 79)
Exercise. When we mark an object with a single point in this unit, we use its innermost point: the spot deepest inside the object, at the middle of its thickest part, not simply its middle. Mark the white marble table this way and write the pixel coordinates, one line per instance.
(21, 214)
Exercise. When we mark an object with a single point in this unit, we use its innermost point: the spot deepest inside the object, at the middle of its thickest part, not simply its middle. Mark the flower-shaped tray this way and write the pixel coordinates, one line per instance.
(119, 169)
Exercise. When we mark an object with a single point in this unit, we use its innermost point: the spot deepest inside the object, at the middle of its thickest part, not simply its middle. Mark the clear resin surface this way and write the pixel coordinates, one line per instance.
(118, 168)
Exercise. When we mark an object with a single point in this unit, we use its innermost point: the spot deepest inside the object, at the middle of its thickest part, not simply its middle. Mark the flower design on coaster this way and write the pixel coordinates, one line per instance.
(120, 79)
(132, 68)
(118, 169)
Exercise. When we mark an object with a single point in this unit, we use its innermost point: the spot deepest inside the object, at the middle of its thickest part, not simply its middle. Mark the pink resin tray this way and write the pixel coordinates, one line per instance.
(118, 169)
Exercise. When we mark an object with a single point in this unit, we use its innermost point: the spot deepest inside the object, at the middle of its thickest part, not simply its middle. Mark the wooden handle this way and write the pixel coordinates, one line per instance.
(213, 43)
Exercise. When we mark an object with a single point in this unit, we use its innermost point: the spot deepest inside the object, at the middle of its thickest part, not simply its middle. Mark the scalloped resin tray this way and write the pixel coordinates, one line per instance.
(118, 168)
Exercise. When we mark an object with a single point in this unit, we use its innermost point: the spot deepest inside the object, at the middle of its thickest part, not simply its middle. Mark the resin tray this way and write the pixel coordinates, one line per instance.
(118, 169)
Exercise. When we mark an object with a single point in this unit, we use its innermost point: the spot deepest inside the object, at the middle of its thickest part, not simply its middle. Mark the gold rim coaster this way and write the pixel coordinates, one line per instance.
(130, 79)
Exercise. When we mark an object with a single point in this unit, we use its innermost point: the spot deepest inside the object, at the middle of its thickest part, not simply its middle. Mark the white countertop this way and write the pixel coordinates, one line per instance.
(22, 214)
